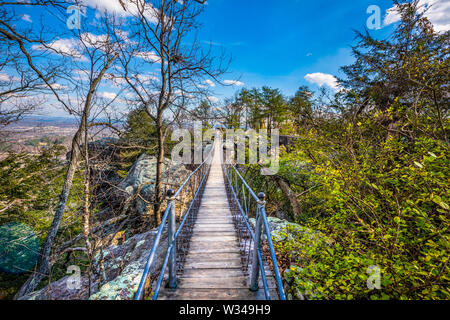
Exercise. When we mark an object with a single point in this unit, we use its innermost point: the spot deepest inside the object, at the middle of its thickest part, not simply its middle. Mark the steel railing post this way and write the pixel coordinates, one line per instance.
(171, 236)
(254, 286)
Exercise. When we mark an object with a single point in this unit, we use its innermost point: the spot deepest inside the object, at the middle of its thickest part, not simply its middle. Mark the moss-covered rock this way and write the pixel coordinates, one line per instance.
(118, 279)
(124, 266)
(282, 230)
(142, 178)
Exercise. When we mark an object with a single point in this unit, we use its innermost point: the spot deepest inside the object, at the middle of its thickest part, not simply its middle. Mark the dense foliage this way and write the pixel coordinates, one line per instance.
(370, 170)
(28, 197)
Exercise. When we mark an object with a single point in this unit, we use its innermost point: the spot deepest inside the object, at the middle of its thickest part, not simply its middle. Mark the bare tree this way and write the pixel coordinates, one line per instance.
(23, 84)
(164, 67)
(86, 67)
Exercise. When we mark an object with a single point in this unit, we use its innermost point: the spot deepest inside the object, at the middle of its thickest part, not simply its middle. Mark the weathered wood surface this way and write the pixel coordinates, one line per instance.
(213, 267)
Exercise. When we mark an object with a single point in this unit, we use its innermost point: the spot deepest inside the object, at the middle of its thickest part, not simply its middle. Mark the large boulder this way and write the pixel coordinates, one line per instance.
(124, 266)
(60, 290)
(122, 269)
(142, 178)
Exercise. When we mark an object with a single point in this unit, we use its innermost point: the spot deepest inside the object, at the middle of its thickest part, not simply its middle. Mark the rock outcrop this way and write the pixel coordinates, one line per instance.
(284, 230)
(125, 264)
(142, 178)
(122, 270)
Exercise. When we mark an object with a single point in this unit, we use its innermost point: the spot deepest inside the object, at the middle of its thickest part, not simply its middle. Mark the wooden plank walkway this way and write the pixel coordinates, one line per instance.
(213, 267)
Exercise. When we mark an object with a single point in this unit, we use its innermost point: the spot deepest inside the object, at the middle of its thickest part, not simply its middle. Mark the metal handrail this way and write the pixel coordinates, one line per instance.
(169, 215)
(261, 220)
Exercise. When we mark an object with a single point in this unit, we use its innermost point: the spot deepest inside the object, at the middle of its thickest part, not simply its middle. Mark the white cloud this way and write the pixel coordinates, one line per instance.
(116, 80)
(437, 11)
(392, 16)
(102, 41)
(122, 34)
(213, 99)
(130, 95)
(321, 79)
(149, 56)
(92, 40)
(63, 46)
(58, 86)
(212, 43)
(233, 82)
(107, 95)
(210, 83)
(183, 94)
(27, 18)
(114, 6)
(144, 78)
(82, 75)
(66, 46)
(4, 77)
(74, 46)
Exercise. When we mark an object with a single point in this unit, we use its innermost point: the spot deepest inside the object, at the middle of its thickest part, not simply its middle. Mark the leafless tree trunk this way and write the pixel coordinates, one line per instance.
(86, 204)
(43, 265)
(287, 191)
(159, 166)
(159, 36)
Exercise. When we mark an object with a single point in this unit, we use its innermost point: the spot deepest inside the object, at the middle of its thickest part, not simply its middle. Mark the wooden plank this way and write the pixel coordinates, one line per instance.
(209, 273)
(216, 215)
(215, 218)
(213, 283)
(211, 294)
(216, 221)
(210, 237)
(223, 264)
(213, 256)
(222, 222)
(229, 223)
(221, 273)
(217, 234)
(220, 246)
(225, 257)
(214, 228)
(195, 248)
(214, 232)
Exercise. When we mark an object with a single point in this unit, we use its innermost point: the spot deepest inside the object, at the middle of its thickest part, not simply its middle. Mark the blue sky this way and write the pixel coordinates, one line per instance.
(279, 43)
